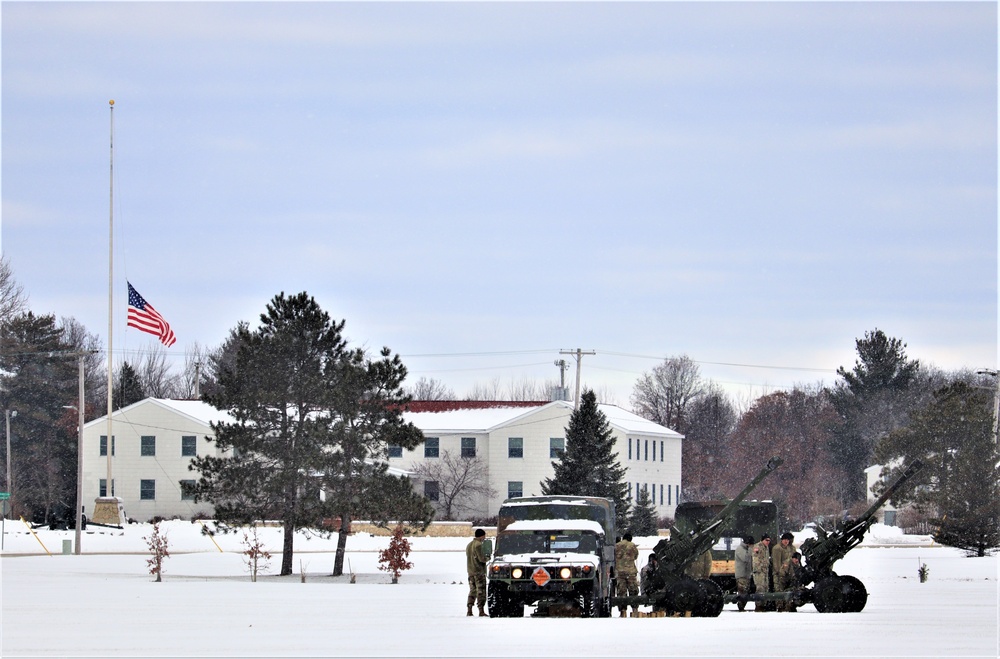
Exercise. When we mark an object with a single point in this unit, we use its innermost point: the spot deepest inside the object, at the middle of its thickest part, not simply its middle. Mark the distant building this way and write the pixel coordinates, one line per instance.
(155, 440)
(153, 444)
(519, 441)
(888, 513)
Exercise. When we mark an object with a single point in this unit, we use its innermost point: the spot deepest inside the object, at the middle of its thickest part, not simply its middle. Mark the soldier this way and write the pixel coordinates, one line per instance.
(762, 569)
(744, 569)
(475, 562)
(794, 581)
(701, 567)
(781, 560)
(628, 583)
(646, 575)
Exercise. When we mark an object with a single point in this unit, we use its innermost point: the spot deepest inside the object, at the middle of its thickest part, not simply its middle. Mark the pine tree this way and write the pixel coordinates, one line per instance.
(127, 387)
(960, 481)
(589, 466)
(310, 415)
(642, 521)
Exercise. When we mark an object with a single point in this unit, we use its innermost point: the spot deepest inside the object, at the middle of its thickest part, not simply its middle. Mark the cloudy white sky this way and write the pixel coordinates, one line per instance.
(480, 185)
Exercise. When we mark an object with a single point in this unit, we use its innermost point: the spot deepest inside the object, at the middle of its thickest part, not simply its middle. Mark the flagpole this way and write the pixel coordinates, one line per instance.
(111, 295)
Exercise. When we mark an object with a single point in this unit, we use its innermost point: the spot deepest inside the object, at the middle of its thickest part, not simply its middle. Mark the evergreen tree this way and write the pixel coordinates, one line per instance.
(37, 380)
(960, 481)
(127, 387)
(642, 520)
(310, 415)
(589, 466)
(873, 399)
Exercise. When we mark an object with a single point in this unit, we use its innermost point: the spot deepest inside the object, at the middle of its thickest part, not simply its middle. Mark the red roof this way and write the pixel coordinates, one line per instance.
(451, 405)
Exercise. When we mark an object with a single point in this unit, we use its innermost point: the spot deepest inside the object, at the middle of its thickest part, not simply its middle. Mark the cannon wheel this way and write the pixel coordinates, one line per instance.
(686, 595)
(856, 596)
(714, 599)
(836, 594)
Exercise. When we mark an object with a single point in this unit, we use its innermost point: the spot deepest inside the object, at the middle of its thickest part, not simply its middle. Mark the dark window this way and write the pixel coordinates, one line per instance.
(468, 447)
(147, 445)
(189, 445)
(629, 448)
(654, 450)
(104, 445)
(647, 449)
(431, 490)
(661, 494)
(669, 502)
(557, 445)
(661, 451)
(147, 489)
(515, 489)
(102, 489)
(431, 447)
(395, 451)
(515, 448)
(185, 489)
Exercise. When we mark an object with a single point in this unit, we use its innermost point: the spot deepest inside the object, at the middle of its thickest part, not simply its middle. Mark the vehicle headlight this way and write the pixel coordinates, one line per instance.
(517, 573)
(500, 571)
(565, 573)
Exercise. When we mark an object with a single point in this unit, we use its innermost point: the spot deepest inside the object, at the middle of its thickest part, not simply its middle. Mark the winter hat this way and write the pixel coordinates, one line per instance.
(765, 537)
(787, 536)
(480, 533)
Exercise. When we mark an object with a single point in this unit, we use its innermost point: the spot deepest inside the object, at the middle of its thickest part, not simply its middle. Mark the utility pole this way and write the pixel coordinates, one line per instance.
(578, 354)
(561, 363)
(197, 380)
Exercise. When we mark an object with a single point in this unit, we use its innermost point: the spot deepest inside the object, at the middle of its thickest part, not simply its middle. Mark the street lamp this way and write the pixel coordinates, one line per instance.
(9, 414)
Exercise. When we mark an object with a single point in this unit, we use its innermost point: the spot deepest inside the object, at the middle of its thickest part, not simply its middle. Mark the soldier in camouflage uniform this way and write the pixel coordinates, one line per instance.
(475, 560)
(626, 554)
(781, 565)
(762, 569)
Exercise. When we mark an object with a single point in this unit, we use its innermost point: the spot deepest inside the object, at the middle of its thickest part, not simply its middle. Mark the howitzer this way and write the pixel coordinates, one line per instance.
(834, 593)
(674, 591)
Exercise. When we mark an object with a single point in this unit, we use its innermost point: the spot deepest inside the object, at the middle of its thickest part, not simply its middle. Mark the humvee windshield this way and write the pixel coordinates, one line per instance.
(555, 510)
(544, 542)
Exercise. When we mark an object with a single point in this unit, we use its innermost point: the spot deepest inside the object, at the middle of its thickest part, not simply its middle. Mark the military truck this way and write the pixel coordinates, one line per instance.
(555, 552)
(753, 518)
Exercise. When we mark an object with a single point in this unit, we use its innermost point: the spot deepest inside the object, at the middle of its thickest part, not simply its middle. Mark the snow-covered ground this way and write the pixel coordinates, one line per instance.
(106, 604)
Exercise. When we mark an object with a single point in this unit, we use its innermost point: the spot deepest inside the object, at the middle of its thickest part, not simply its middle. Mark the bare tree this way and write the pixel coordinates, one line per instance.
(430, 389)
(195, 365)
(461, 481)
(155, 374)
(665, 394)
(13, 300)
(488, 391)
(94, 372)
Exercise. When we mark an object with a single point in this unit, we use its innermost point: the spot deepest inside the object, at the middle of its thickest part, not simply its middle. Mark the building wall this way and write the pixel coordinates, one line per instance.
(535, 429)
(165, 469)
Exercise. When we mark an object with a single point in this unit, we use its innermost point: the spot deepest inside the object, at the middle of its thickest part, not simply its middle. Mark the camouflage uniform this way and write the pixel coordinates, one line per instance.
(475, 562)
(744, 571)
(701, 567)
(781, 560)
(762, 570)
(626, 554)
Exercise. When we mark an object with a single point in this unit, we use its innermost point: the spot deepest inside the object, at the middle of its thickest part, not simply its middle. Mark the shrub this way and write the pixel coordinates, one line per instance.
(393, 558)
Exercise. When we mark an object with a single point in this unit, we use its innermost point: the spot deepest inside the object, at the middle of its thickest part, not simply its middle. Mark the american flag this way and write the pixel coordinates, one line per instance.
(143, 317)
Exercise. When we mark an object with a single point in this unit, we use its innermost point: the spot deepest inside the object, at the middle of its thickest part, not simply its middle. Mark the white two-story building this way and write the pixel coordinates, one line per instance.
(155, 439)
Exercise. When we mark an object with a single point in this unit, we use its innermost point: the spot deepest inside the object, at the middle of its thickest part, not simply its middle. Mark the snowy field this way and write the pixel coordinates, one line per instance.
(104, 603)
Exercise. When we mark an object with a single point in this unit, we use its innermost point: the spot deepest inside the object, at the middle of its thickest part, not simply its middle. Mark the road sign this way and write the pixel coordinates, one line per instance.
(4, 495)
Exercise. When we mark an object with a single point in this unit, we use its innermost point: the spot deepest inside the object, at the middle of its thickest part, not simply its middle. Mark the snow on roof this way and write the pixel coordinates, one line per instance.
(555, 525)
(193, 409)
(485, 416)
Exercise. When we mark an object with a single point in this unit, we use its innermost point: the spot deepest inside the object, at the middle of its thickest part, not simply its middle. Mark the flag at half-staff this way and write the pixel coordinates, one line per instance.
(143, 317)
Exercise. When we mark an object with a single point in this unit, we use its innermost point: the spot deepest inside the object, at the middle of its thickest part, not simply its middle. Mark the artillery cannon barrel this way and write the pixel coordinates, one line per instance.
(907, 474)
(771, 465)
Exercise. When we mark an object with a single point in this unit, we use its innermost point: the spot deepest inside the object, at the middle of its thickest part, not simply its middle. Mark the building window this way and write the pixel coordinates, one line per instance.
(661, 451)
(147, 489)
(186, 487)
(468, 447)
(557, 446)
(102, 489)
(189, 446)
(431, 490)
(147, 445)
(646, 443)
(654, 450)
(629, 448)
(669, 502)
(104, 445)
(395, 451)
(677, 491)
(661, 494)
(432, 446)
(515, 448)
(515, 489)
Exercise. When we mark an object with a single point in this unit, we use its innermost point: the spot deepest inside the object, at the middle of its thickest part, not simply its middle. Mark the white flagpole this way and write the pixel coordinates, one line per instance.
(111, 293)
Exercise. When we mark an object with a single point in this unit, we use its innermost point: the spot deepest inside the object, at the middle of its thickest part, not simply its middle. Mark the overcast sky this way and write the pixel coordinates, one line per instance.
(478, 186)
